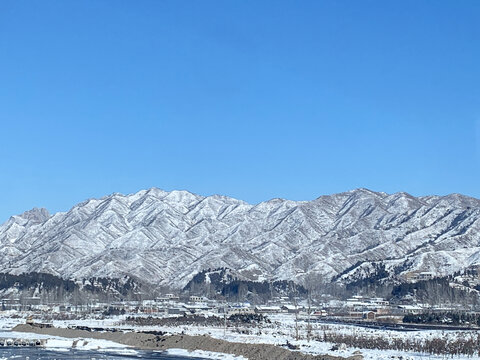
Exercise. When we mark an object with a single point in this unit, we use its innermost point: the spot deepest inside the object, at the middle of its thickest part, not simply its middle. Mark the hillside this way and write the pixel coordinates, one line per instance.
(166, 238)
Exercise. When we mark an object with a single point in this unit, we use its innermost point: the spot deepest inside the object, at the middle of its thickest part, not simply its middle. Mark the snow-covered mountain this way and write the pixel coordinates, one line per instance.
(167, 237)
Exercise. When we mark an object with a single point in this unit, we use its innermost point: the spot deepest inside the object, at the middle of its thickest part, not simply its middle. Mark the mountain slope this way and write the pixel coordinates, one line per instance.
(167, 237)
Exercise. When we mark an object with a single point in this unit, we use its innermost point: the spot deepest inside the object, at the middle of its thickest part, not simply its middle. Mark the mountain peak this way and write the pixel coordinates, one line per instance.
(36, 215)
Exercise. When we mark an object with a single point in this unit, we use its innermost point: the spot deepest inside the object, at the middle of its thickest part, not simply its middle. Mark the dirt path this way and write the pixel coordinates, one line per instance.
(155, 342)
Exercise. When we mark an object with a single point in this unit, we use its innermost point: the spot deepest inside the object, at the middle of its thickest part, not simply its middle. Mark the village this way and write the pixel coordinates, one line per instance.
(355, 309)
(350, 327)
(315, 324)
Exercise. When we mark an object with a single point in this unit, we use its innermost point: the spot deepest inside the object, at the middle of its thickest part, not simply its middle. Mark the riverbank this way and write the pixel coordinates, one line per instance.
(146, 341)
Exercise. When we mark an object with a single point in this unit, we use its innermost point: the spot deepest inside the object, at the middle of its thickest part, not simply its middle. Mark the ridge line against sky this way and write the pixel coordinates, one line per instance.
(253, 100)
(238, 199)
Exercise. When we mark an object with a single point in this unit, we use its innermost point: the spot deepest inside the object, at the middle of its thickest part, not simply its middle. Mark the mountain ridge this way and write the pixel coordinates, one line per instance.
(166, 237)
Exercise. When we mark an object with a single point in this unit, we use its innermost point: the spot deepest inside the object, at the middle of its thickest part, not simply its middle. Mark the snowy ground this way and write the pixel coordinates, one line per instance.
(57, 343)
(279, 332)
(204, 354)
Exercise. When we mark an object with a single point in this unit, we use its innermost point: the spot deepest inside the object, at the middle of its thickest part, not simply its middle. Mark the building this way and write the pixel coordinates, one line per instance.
(240, 311)
(177, 311)
(267, 309)
(10, 304)
(319, 313)
(369, 315)
(410, 309)
(425, 275)
(196, 299)
(419, 276)
(291, 309)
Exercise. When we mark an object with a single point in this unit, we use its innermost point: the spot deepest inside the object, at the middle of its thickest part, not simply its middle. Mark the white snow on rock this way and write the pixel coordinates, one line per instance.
(167, 237)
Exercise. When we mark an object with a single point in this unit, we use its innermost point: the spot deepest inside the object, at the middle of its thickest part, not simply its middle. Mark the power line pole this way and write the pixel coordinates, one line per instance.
(296, 310)
(225, 319)
(309, 329)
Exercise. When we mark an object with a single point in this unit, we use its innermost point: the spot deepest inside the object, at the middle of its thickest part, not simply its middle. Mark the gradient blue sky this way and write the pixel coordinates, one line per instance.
(251, 99)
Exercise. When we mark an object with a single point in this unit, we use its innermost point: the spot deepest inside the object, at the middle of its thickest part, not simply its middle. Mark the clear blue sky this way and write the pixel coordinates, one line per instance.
(251, 99)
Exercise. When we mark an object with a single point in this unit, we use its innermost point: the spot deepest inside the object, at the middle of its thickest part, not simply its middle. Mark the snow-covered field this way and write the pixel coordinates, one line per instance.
(281, 330)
